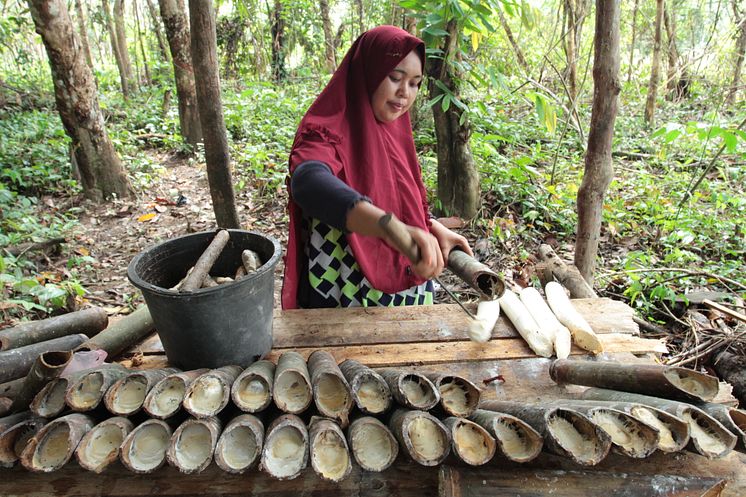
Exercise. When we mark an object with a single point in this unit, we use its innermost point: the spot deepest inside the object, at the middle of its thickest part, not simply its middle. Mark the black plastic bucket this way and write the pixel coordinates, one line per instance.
(210, 327)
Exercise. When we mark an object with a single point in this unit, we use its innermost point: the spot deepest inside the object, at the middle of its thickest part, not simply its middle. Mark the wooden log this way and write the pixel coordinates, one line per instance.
(648, 379)
(515, 438)
(240, 444)
(87, 321)
(47, 366)
(292, 387)
(458, 396)
(469, 441)
(193, 444)
(207, 395)
(410, 389)
(370, 391)
(422, 436)
(331, 392)
(475, 274)
(166, 397)
(144, 449)
(569, 276)
(16, 363)
(732, 368)
(285, 452)
(252, 390)
(126, 395)
(86, 391)
(373, 445)
(55, 443)
(99, 448)
(205, 262)
(15, 438)
(329, 452)
(122, 334)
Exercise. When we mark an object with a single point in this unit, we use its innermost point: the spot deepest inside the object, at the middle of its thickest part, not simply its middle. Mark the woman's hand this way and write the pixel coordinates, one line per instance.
(431, 262)
(448, 240)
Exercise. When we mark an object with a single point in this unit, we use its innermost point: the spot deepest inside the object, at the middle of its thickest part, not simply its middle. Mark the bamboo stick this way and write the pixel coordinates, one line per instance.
(411, 390)
(55, 443)
(16, 363)
(205, 262)
(252, 390)
(331, 392)
(144, 449)
(329, 453)
(373, 445)
(458, 396)
(165, 398)
(424, 438)
(122, 334)
(469, 441)
(240, 444)
(285, 451)
(86, 391)
(100, 447)
(14, 439)
(369, 390)
(46, 367)
(515, 438)
(193, 444)
(126, 395)
(292, 386)
(86, 321)
(207, 395)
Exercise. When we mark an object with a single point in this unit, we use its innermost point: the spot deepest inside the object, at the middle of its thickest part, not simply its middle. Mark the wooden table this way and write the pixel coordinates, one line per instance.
(431, 339)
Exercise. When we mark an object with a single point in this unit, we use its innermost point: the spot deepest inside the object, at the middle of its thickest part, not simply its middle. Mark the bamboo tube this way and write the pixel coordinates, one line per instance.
(86, 321)
(458, 396)
(331, 392)
(54, 444)
(209, 394)
(252, 390)
(369, 390)
(329, 453)
(292, 386)
(648, 379)
(469, 441)
(16, 363)
(15, 438)
(475, 274)
(126, 395)
(46, 367)
(5, 404)
(240, 444)
(566, 432)
(193, 444)
(100, 446)
(8, 421)
(144, 449)
(411, 390)
(86, 391)
(165, 398)
(629, 436)
(11, 388)
(516, 439)
(285, 451)
(50, 401)
(422, 435)
(122, 334)
(707, 435)
(734, 420)
(373, 445)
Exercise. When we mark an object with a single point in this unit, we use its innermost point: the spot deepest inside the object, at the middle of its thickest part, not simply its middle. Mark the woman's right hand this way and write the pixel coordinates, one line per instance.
(431, 262)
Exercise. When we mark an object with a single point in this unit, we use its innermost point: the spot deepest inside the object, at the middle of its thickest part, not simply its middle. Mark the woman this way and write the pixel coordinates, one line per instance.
(353, 160)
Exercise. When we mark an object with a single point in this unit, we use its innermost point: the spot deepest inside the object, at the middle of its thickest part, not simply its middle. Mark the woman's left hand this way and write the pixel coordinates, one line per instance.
(448, 240)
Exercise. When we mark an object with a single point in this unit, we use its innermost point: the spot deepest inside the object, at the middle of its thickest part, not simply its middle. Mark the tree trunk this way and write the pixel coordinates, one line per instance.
(361, 24)
(598, 167)
(148, 79)
(634, 39)
(83, 32)
(122, 41)
(330, 60)
(516, 48)
(278, 43)
(162, 44)
(655, 70)
(102, 174)
(204, 55)
(124, 81)
(458, 181)
(740, 18)
(177, 30)
(575, 13)
(672, 79)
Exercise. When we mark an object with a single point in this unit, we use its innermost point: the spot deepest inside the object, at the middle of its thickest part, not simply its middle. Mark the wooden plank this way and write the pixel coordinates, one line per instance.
(397, 354)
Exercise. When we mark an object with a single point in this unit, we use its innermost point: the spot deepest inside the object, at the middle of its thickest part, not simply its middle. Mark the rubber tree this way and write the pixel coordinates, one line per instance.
(598, 171)
(121, 40)
(739, 16)
(674, 71)
(656, 64)
(80, 14)
(123, 79)
(279, 42)
(330, 61)
(574, 13)
(158, 30)
(101, 171)
(173, 13)
(207, 83)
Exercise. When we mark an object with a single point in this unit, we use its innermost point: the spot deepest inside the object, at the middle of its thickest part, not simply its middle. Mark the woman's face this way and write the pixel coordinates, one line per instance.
(396, 93)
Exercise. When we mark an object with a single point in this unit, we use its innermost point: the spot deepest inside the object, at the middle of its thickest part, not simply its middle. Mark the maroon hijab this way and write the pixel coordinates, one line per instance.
(375, 159)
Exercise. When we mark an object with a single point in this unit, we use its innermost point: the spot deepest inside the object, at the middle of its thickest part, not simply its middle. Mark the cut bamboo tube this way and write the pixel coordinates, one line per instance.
(240, 444)
(144, 449)
(209, 394)
(424, 438)
(47, 366)
(470, 442)
(15, 438)
(165, 398)
(707, 435)
(100, 446)
(11, 388)
(285, 451)
(252, 390)
(193, 444)
(411, 390)
(122, 334)
(668, 382)
(50, 401)
(86, 321)
(516, 439)
(329, 453)
(331, 392)
(87, 391)
(55, 443)
(733, 419)
(12, 419)
(475, 274)
(292, 387)
(566, 432)
(5, 404)
(205, 262)
(370, 391)
(16, 363)
(373, 445)
(126, 395)
(458, 396)
(629, 436)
